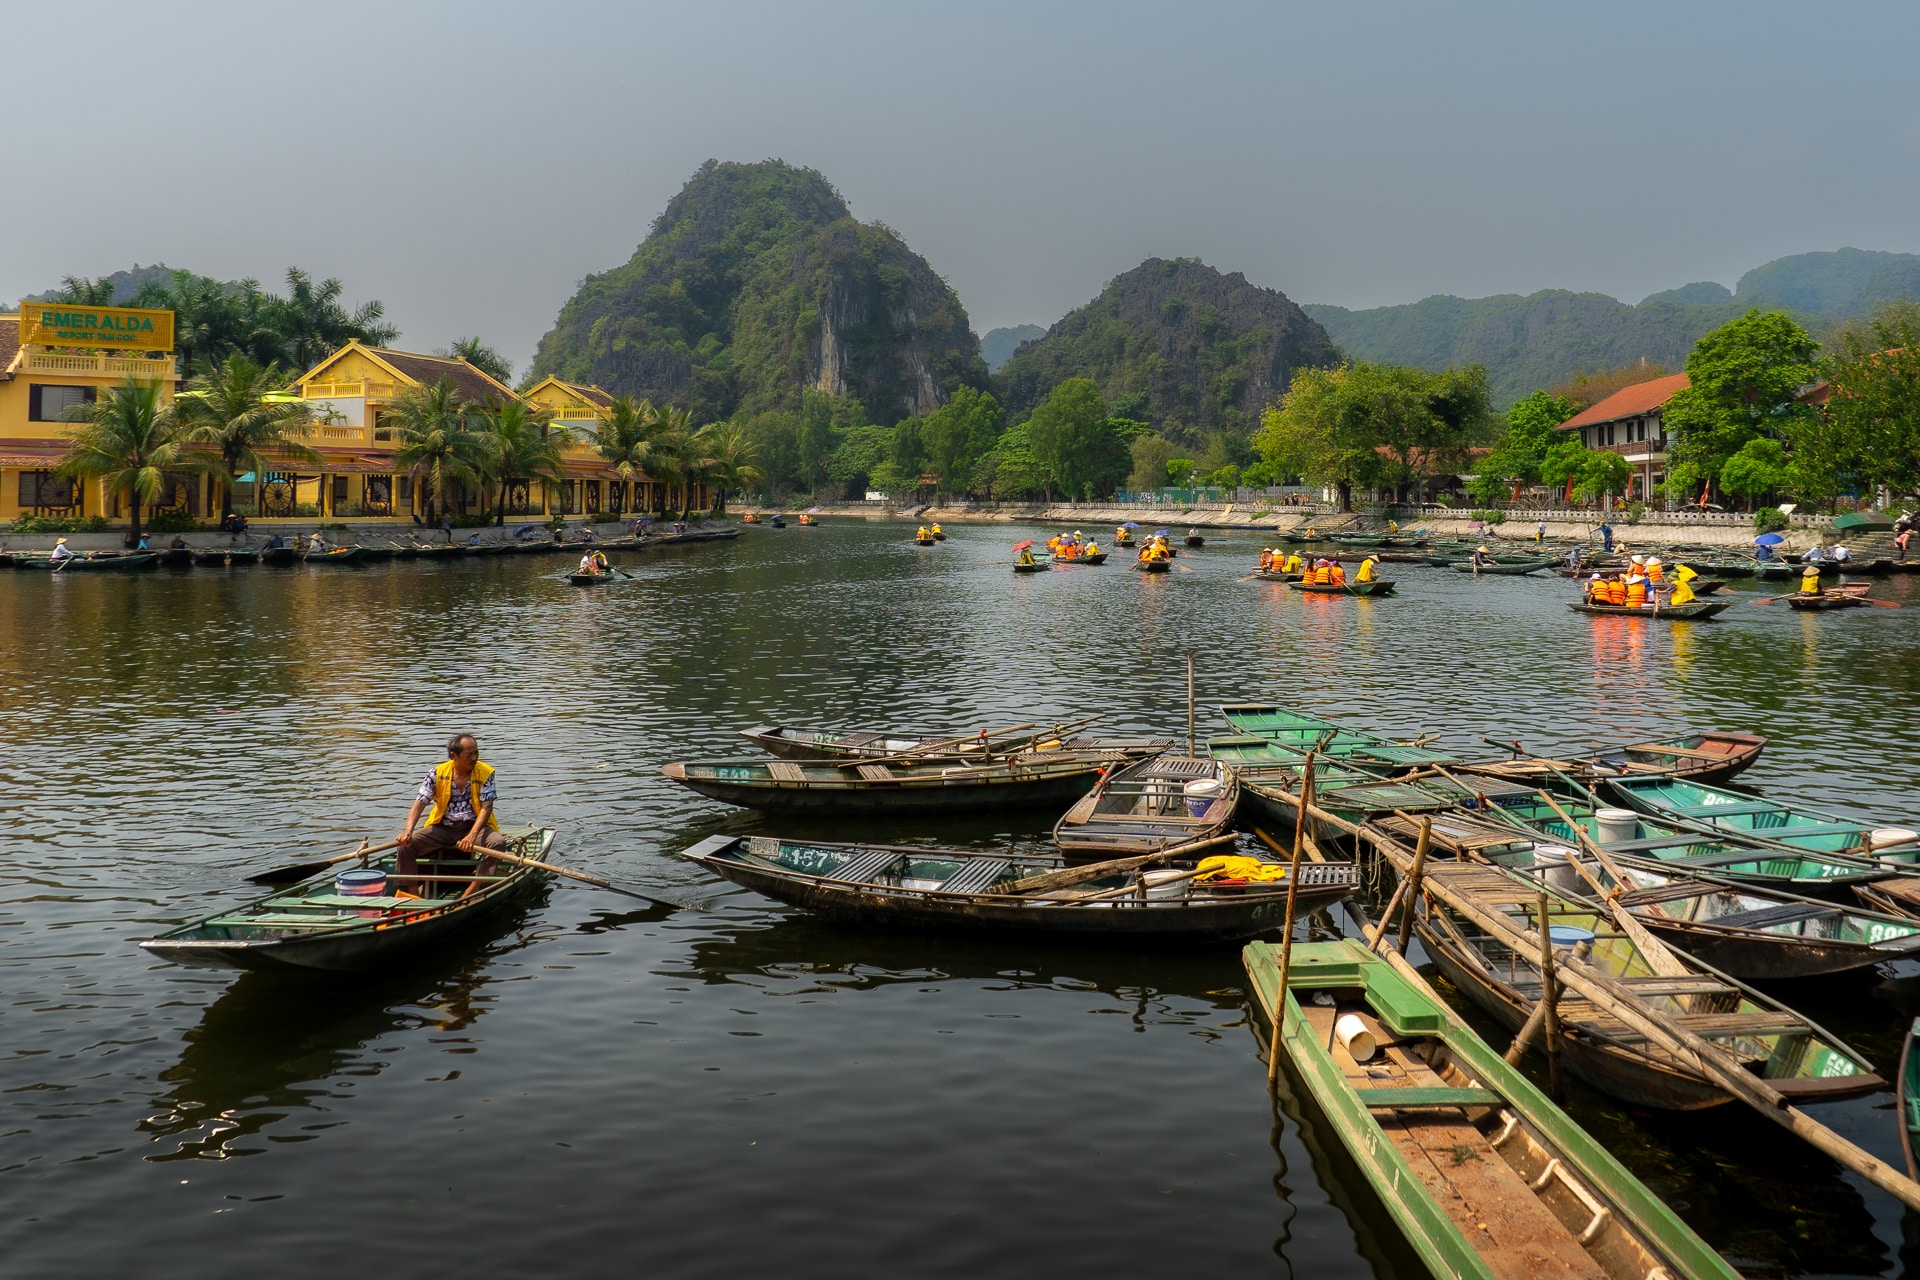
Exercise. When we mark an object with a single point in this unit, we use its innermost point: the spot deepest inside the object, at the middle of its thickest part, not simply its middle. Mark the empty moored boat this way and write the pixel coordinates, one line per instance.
(1152, 805)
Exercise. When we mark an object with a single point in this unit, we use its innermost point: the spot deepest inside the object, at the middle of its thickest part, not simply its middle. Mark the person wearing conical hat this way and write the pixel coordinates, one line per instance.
(61, 551)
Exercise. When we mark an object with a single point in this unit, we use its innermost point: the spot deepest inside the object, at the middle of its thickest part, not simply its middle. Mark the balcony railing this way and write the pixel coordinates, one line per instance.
(85, 365)
(348, 390)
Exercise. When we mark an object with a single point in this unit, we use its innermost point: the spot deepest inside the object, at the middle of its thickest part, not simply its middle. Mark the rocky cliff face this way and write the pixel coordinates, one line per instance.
(1194, 351)
(757, 281)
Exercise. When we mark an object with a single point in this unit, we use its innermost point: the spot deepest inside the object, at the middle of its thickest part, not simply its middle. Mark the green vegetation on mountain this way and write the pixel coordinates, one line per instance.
(998, 346)
(1176, 344)
(757, 283)
(1544, 338)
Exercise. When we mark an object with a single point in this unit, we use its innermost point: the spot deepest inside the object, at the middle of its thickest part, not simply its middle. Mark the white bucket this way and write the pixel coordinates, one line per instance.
(1555, 863)
(1883, 837)
(1354, 1036)
(1201, 795)
(1617, 826)
(1158, 886)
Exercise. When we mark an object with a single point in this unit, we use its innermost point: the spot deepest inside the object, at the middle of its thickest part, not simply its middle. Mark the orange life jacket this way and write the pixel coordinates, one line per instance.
(1636, 594)
(1616, 591)
(1336, 576)
(1655, 573)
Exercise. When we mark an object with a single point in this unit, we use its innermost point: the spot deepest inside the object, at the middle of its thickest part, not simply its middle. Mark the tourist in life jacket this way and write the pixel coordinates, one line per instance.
(921, 534)
(1266, 559)
(937, 530)
(1336, 576)
(1810, 580)
(1366, 570)
(1655, 573)
(1092, 550)
(1636, 584)
(590, 564)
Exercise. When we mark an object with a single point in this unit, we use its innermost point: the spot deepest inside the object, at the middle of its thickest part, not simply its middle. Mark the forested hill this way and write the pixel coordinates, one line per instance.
(998, 345)
(1178, 344)
(755, 281)
(1538, 340)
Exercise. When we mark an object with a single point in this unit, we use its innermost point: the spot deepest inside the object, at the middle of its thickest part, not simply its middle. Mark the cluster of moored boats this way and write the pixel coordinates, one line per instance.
(248, 554)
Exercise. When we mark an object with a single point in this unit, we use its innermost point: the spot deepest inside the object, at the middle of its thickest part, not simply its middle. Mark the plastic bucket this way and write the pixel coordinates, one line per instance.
(1354, 1036)
(1566, 935)
(1201, 795)
(360, 884)
(1555, 863)
(1883, 837)
(1159, 888)
(1616, 826)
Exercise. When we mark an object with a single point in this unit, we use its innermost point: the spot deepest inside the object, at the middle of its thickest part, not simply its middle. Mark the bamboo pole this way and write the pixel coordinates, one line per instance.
(1048, 880)
(1286, 939)
(1549, 1000)
(1413, 882)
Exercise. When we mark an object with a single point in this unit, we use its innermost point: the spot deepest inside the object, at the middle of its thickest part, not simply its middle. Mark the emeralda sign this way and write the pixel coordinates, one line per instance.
(61, 324)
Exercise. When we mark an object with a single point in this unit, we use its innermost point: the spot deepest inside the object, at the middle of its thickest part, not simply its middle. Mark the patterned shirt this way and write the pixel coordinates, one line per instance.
(459, 798)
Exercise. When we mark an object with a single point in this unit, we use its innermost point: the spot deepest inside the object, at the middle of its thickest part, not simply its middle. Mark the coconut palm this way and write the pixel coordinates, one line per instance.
(246, 415)
(438, 446)
(727, 460)
(521, 446)
(672, 459)
(129, 438)
(626, 437)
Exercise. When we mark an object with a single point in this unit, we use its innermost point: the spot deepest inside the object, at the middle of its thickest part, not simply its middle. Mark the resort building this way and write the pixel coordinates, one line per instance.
(55, 360)
(1628, 423)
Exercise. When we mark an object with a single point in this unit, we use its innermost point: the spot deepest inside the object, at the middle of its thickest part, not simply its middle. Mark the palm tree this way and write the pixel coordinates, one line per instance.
(130, 439)
(521, 447)
(438, 446)
(243, 414)
(672, 459)
(625, 438)
(727, 459)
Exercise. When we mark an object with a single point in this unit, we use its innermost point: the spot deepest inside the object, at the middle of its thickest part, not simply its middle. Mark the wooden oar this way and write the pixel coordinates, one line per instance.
(584, 878)
(301, 870)
(1048, 881)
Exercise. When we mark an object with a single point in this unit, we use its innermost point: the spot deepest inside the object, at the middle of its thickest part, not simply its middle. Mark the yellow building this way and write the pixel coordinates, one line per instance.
(56, 359)
(593, 484)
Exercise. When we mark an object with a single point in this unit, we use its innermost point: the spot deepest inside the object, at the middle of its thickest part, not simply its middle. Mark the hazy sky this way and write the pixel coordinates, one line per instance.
(468, 163)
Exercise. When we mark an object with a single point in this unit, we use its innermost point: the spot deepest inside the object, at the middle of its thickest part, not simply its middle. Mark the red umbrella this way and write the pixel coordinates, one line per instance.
(1022, 546)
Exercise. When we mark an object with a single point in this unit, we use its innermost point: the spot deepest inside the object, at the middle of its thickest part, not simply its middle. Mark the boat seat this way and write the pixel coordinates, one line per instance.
(1399, 1098)
(363, 903)
(1181, 767)
(1764, 917)
(865, 867)
(979, 875)
(786, 771)
(270, 920)
(878, 773)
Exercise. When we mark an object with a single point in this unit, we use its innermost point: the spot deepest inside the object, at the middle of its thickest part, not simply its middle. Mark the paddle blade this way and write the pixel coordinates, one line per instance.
(293, 874)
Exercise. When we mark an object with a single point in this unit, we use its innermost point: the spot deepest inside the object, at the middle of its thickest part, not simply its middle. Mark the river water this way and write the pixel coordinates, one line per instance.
(598, 1087)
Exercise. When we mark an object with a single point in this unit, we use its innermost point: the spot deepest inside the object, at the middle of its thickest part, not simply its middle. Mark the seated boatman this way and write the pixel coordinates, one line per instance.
(457, 800)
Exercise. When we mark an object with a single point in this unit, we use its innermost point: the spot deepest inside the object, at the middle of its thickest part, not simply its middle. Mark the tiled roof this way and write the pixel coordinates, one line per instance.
(1629, 402)
(427, 370)
(592, 395)
(9, 342)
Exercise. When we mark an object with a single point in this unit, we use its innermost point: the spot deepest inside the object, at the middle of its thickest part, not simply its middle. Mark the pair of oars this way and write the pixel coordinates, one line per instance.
(302, 870)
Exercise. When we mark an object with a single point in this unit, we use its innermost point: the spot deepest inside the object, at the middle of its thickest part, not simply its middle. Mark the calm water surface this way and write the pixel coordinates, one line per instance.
(592, 1089)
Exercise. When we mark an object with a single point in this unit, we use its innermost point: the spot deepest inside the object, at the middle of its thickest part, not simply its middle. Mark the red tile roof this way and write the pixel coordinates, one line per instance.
(9, 342)
(1629, 402)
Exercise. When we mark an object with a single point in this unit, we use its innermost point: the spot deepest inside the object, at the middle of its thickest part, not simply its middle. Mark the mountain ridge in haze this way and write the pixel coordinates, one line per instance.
(1541, 338)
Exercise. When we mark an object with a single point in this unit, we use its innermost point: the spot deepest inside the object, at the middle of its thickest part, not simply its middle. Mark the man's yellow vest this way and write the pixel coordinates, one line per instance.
(443, 790)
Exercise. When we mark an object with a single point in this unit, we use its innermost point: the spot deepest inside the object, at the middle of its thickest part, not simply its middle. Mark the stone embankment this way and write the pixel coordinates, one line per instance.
(1651, 530)
(370, 534)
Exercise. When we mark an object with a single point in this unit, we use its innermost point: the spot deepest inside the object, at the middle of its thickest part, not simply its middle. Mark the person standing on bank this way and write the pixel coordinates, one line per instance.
(457, 800)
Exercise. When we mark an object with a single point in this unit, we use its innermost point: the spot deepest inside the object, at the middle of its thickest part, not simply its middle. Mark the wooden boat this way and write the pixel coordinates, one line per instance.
(939, 536)
(1098, 557)
(598, 579)
(869, 744)
(1033, 778)
(1515, 567)
(1126, 541)
(311, 926)
(1695, 804)
(213, 557)
(1691, 611)
(279, 556)
(1477, 1168)
(1270, 781)
(1196, 540)
(1149, 806)
(1816, 864)
(917, 888)
(96, 562)
(1479, 930)
(1746, 932)
(1031, 566)
(780, 522)
(923, 542)
(1272, 575)
(176, 557)
(1153, 566)
(1716, 756)
(807, 521)
(370, 554)
(1298, 732)
(1907, 1094)
(1378, 587)
(335, 556)
(749, 518)
(1823, 601)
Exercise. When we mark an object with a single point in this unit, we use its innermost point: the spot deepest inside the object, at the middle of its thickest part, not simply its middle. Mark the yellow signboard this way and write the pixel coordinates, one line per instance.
(61, 324)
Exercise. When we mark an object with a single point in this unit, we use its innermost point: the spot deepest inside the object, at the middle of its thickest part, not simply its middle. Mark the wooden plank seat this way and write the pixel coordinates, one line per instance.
(877, 773)
(786, 771)
(338, 900)
(1440, 1096)
(978, 876)
(1767, 917)
(273, 920)
(866, 867)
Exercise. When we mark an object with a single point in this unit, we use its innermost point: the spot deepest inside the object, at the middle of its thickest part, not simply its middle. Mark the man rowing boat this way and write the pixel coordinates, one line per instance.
(457, 799)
